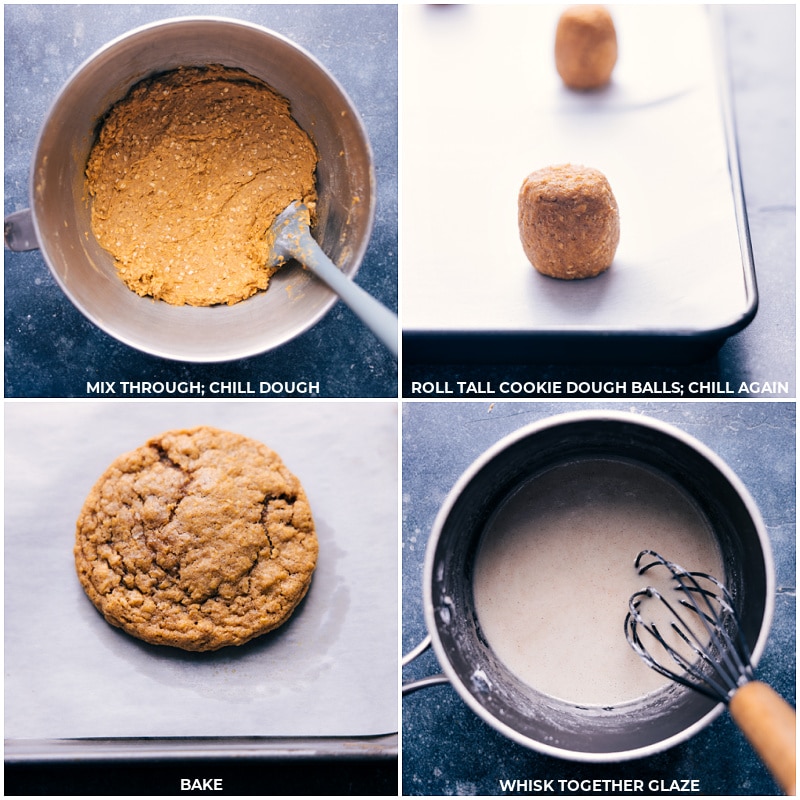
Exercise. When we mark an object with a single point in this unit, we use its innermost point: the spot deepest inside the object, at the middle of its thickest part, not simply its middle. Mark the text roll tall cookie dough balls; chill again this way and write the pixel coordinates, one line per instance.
(198, 539)
(568, 221)
(586, 47)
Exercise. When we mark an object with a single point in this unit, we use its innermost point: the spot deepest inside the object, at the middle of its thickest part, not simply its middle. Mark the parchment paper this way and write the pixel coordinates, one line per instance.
(482, 106)
(330, 671)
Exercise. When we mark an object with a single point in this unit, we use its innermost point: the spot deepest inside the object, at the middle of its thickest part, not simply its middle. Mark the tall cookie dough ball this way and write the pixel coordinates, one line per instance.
(586, 47)
(568, 221)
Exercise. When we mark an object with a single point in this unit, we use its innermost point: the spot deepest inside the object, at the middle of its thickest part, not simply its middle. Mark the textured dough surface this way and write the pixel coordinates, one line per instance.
(199, 539)
(586, 47)
(568, 221)
(188, 173)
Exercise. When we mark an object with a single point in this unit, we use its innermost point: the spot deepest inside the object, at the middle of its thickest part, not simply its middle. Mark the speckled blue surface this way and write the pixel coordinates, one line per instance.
(447, 749)
(51, 350)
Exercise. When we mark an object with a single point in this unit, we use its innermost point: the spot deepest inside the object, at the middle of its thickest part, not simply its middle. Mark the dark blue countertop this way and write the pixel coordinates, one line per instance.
(447, 749)
(760, 45)
(51, 350)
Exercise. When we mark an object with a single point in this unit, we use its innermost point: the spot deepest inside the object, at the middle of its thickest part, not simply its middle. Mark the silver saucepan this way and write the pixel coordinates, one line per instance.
(520, 712)
(57, 221)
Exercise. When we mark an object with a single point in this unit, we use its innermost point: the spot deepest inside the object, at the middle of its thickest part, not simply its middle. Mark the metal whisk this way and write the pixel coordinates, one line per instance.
(700, 645)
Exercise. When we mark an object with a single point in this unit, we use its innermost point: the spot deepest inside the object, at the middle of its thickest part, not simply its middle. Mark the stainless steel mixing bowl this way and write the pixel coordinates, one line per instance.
(58, 218)
(523, 714)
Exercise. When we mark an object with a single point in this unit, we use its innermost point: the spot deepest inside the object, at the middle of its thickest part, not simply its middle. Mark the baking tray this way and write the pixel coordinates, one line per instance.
(324, 684)
(482, 107)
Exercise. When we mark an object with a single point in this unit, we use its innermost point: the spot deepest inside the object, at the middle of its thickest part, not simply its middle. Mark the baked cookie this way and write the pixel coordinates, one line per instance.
(568, 221)
(586, 47)
(199, 539)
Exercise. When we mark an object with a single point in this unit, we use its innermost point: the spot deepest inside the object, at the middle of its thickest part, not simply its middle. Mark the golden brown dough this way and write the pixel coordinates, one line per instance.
(586, 47)
(568, 221)
(188, 173)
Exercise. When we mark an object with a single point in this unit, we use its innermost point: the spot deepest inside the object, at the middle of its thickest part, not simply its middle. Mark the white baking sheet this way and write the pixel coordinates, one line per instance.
(330, 671)
(482, 107)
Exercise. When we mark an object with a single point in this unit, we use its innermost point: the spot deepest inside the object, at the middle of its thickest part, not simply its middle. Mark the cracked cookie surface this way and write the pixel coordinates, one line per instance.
(189, 171)
(199, 539)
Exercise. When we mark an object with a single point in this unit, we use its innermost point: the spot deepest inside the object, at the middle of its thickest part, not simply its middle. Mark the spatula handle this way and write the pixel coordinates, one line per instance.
(769, 723)
(379, 319)
(291, 238)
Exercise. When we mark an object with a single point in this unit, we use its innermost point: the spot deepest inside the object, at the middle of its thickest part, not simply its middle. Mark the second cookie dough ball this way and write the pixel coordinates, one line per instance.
(568, 221)
(586, 47)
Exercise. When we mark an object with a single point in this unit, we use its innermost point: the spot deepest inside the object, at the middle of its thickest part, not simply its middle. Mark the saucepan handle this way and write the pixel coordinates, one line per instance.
(422, 683)
(18, 231)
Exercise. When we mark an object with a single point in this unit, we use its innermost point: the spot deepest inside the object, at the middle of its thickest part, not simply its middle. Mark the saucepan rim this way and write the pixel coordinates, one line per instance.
(431, 563)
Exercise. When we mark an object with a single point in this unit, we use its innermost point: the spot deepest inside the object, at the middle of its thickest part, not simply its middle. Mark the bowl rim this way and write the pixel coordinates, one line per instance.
(153, 346)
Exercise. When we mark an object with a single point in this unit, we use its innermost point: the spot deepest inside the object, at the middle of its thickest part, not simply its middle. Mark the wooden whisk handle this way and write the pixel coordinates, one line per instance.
(769, 723)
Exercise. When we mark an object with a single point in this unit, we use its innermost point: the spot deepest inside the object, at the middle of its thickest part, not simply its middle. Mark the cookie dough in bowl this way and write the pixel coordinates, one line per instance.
(188, 173)
(568, 221)
(198, 539)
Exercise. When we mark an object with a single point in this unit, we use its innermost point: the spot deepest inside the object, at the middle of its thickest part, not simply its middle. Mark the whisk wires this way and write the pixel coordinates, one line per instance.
(692, 637)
